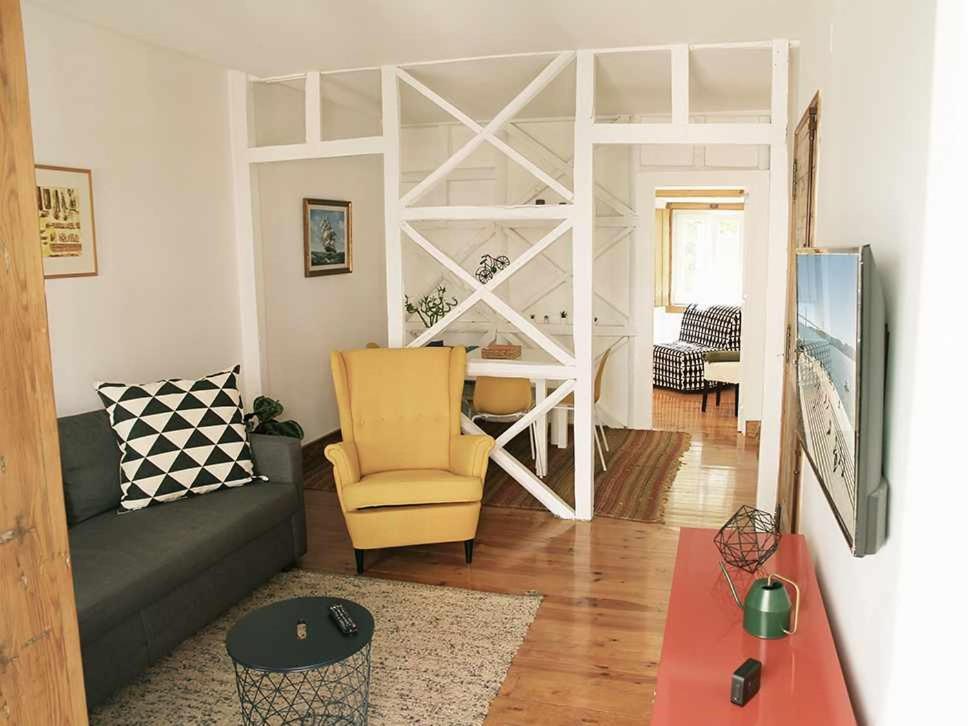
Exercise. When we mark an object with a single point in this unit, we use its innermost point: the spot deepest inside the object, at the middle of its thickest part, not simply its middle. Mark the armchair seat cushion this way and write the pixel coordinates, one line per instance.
(411, 486)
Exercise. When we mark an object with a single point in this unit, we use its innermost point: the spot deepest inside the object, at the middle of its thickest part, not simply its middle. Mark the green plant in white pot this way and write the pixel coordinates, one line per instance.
(431, 308)
(263, 419)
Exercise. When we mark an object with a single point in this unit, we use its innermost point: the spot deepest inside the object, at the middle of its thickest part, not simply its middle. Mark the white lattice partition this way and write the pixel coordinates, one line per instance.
(566, 365)
(577, 215)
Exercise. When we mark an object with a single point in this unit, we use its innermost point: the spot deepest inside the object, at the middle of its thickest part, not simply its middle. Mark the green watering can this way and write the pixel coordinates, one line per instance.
(767, 608)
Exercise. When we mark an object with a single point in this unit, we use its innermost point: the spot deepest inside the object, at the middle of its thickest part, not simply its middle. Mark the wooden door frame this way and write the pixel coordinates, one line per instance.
(788, 479)
(41, 677)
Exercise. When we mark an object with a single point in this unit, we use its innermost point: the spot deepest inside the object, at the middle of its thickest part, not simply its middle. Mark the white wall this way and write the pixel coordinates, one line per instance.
(308, 317)
(936, 498)
(666, 325)
(152, 125)
(872, 62)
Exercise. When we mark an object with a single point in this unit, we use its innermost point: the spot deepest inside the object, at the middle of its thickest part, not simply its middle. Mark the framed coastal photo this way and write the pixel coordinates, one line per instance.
(327, 237)
(65, 213)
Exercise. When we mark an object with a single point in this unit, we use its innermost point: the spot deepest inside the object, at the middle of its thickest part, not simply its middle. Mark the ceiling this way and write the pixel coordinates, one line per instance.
(284, 36)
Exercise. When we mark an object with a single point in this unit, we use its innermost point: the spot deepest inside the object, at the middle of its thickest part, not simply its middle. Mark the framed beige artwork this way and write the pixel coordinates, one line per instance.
(65, 213)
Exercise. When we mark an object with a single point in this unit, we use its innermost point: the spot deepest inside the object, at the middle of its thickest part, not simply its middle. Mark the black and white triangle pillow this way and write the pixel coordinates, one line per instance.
(178, 437)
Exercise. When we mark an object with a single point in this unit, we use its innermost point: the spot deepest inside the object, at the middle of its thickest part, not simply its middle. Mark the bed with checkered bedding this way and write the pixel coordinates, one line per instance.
(679, 365)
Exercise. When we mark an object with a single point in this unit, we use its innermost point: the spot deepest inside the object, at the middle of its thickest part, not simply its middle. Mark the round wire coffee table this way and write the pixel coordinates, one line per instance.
(294, 666)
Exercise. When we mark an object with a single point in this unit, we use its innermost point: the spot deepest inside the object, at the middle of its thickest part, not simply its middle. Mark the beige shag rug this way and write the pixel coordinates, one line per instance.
(439, 655)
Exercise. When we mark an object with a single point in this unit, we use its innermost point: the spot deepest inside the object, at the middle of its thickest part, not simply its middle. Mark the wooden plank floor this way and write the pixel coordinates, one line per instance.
(591, 654)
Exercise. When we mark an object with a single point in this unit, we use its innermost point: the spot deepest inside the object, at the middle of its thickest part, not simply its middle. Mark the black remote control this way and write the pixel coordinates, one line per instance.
(342, 619)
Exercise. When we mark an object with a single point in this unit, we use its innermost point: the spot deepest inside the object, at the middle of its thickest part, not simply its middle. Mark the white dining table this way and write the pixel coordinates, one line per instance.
(478, 366)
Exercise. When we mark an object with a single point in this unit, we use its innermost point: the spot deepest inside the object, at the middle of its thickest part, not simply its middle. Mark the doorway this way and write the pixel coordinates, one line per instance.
(698, 305)
(706, 244)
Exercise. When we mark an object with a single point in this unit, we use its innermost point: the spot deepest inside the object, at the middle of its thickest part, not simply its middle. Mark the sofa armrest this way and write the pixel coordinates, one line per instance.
(468, 455)
(280, 459)
(721, 356)
(346, 463)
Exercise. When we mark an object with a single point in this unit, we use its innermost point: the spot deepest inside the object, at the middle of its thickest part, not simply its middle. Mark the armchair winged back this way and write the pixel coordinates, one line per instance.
(400, 406)
(404, 472)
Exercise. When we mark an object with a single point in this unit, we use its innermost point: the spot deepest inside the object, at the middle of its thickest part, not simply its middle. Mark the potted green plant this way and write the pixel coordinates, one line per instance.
(431, 308)
(263, 419)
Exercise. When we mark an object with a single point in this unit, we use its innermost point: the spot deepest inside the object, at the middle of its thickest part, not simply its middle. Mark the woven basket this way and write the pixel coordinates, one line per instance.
(501, 352)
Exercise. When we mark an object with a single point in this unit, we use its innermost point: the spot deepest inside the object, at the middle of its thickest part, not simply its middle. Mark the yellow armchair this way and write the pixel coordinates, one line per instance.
(404, 473)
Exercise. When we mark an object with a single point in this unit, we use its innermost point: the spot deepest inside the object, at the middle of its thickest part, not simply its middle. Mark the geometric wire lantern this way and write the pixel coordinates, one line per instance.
(748, 539)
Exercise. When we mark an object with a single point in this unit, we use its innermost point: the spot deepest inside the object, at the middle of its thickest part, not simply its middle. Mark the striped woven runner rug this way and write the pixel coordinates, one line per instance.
(641, 468)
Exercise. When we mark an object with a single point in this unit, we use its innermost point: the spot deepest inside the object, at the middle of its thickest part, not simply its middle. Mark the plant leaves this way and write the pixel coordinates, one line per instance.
(267, 408)
(282, 428)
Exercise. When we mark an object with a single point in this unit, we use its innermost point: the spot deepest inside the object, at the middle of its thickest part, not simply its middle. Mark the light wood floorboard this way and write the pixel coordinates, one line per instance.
(591, 654)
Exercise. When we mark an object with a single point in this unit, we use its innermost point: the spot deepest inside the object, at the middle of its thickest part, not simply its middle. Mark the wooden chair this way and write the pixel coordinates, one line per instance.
(505, 400)
(568, 402)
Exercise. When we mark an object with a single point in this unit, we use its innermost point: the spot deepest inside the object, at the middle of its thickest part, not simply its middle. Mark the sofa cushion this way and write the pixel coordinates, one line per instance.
(178, 437)
(678, 365)
(122, 562)
(411, 486)
(713, 326)
(89, 465)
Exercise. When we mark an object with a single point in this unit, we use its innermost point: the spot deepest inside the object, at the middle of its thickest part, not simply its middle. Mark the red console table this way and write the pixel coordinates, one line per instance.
(704, 642)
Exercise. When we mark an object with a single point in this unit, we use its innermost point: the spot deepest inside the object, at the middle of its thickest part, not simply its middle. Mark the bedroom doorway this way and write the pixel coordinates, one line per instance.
(705, 242)
(698, 301)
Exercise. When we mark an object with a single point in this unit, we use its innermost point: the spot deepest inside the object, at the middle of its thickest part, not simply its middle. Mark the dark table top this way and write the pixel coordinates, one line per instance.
(266, 639)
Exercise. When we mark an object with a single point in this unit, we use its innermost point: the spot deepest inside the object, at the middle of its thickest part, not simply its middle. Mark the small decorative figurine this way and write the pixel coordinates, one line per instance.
(489, 267)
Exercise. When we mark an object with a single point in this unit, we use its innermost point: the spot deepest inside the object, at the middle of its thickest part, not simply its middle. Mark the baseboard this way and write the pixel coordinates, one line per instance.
(334, 436)
(313, 457)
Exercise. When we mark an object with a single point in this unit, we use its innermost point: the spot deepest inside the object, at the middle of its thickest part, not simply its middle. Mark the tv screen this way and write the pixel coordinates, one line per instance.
(841, 345)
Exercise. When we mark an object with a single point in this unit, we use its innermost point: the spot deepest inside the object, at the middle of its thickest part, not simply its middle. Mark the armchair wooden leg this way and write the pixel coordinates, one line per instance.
(736, 403)
(705, 393)
(719, 389)
(359, 561)
(468, 550)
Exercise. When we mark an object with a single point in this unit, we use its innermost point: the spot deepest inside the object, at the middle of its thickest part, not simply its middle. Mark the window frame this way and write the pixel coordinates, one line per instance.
(663, 246)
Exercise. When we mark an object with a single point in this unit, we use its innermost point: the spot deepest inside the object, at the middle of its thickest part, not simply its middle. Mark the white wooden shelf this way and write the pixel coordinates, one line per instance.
(509, 212)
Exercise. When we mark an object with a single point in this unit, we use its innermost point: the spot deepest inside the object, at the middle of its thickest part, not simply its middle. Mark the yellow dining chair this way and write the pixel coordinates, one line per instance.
(405, 475)
(568, 402)
(505, 400)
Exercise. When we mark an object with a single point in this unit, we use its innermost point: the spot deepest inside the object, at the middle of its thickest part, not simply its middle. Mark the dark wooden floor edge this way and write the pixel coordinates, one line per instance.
(313, 458)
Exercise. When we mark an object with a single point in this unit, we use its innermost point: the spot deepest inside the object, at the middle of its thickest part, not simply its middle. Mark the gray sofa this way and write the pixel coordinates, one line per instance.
(146, 580)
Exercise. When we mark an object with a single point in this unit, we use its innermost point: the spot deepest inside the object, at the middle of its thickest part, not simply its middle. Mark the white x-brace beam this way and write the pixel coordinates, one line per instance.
(489, 132)
(484, 292)
(524, 476)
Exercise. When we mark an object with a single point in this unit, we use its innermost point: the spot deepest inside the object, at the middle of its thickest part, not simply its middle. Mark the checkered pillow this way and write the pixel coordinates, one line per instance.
(713, 326)
(178, 437)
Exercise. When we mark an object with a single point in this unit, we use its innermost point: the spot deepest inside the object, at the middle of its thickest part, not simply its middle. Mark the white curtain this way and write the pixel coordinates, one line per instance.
(707, 257)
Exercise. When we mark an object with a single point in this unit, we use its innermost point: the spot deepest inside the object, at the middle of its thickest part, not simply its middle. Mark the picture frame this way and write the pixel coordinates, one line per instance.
(65, 216)
(327, 237)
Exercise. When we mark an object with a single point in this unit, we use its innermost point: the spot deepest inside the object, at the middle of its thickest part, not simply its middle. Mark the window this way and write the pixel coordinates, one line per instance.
(703, 256)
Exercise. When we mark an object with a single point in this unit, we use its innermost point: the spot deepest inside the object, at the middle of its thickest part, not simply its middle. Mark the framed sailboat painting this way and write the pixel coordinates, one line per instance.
(327, 237)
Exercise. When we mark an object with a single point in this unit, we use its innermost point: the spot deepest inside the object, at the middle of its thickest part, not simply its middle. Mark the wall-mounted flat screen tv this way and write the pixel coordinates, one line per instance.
(841, 355)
